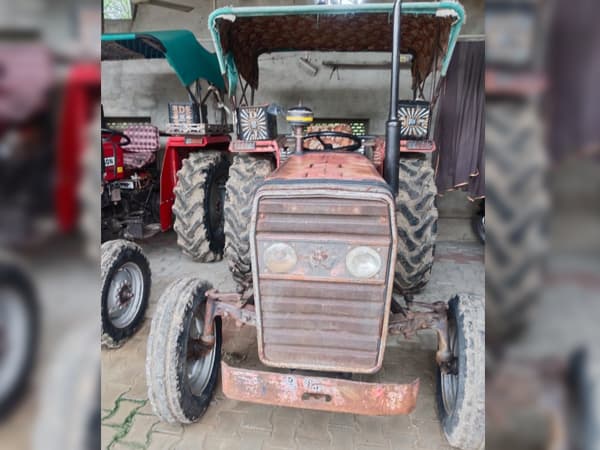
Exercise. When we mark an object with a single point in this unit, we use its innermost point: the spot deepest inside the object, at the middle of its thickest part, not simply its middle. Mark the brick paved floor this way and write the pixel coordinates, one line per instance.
(128, 421)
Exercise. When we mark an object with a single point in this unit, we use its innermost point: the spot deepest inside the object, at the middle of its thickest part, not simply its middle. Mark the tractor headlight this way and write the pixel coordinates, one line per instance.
(280, 257)
(414, 117)
(363, 262)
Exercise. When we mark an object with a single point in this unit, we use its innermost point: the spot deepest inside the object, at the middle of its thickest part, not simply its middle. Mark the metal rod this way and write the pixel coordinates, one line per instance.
(395, 81)
(470, 38)
(191, 95)
(392, 134)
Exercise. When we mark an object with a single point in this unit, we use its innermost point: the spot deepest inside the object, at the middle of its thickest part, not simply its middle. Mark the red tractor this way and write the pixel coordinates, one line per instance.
(42, 154)
(44, 117)
(322, 245)
(184, 189)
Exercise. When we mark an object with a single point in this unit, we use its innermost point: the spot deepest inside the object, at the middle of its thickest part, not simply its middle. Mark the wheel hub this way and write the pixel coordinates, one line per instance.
(122, 296)
(199, 358)
(449, 372)
(125, 295)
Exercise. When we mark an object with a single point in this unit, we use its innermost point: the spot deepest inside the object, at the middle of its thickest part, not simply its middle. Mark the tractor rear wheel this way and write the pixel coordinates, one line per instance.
(246, 174)
(517, 203)
(198, 207)
(416, 220)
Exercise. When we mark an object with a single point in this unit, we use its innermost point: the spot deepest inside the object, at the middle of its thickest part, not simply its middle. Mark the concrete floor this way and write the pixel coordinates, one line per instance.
(128, 421)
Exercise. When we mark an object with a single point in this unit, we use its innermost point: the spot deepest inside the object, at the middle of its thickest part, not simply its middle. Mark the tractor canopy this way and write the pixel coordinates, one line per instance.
(190, 60)
(241, 35)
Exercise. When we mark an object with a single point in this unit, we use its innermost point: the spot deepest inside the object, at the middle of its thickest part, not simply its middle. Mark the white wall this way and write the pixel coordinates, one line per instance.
(145, 87)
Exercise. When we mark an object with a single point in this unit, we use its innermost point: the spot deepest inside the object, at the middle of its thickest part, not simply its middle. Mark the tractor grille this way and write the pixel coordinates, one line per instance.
(317, 316)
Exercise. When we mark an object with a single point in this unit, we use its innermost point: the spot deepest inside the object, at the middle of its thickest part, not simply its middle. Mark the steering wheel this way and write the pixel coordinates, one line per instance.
(124, 139)
(329, 147)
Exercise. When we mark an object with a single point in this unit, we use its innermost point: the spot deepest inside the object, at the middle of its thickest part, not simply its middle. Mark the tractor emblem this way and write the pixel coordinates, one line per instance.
(321, 258)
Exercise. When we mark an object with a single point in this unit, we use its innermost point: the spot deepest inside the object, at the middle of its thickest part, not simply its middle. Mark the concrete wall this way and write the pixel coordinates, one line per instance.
(144, 88)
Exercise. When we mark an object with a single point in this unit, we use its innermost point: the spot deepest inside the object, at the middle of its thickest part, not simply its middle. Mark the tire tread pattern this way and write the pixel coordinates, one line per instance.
(112, 255)
(245, 176)
(189, 206)
(517, 205)
(416, 221)
(465, 427)
(164, 349)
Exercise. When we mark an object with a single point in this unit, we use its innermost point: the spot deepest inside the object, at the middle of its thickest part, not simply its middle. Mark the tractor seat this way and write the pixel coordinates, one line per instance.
(143, 147)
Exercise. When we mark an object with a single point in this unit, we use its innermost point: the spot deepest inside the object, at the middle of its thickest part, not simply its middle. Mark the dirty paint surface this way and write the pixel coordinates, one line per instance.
(231, 424)
(320, 393)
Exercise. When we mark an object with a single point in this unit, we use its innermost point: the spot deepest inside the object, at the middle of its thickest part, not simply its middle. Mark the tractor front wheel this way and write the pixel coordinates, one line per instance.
(126, 282)
(181, 372)
(461, 382)
(198, 207)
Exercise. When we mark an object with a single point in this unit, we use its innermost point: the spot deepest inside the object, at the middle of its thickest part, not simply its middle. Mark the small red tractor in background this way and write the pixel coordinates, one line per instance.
(140, 196)
(186, 188)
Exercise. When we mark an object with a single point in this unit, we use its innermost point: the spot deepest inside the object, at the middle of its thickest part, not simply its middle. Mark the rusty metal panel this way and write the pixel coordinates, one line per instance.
(324, 207)
(326, 224)
(326, 394)
(317, 315)
(327, 166)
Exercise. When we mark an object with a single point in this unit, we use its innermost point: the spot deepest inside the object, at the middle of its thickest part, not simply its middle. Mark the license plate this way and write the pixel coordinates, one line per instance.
(126, 185)
(109, 161)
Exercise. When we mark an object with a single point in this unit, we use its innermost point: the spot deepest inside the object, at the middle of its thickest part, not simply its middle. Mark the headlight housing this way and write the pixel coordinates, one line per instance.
(363, 262)
(256, 123)
(280, 257)
(414, 117)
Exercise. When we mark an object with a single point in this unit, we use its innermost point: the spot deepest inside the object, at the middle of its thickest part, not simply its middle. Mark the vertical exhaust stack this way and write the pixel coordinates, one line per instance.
(392, 133)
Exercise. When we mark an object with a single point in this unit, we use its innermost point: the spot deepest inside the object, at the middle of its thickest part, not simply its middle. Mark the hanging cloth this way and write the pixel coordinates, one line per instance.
(460, 126)
(573, 68)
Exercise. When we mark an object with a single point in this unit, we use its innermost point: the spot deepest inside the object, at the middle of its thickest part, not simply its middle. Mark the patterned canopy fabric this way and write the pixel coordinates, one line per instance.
(143, 147)
(425, 36)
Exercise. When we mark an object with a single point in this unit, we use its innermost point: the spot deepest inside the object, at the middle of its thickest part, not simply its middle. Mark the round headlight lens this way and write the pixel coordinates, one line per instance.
(363, 262)
(280, 258)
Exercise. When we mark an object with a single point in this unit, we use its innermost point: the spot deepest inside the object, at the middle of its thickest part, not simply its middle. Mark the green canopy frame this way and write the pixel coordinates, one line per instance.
(190, 60)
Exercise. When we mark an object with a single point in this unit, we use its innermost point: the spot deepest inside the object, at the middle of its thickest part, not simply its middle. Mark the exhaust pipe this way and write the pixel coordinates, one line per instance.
(392, 132)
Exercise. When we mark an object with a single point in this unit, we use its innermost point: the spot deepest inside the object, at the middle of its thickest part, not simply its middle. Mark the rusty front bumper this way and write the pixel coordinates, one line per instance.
(327, 394)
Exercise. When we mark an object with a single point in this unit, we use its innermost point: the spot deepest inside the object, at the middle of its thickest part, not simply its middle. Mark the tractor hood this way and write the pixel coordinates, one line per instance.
(241, 35)
(187, 57)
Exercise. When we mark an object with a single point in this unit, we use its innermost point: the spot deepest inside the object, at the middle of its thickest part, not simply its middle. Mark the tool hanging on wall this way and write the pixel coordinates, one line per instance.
(335, 66)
